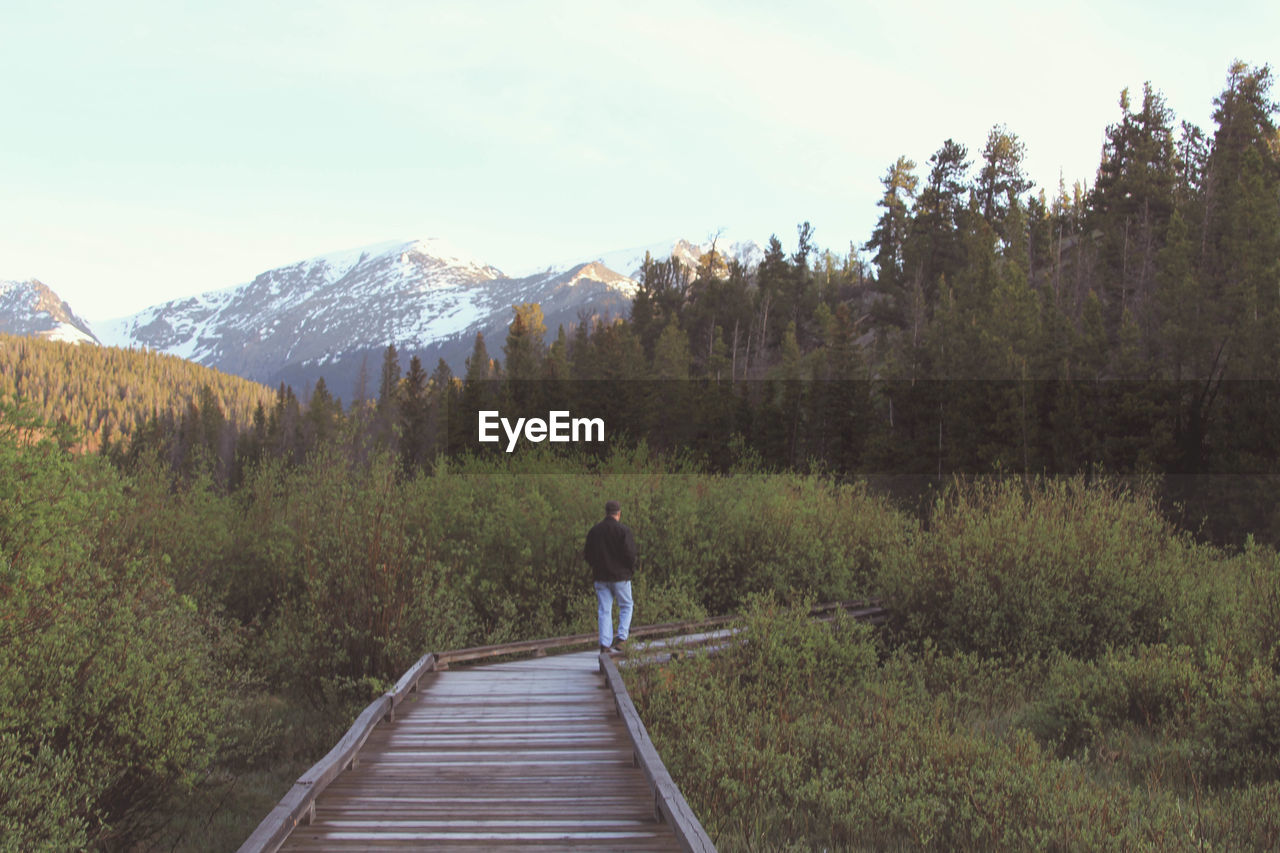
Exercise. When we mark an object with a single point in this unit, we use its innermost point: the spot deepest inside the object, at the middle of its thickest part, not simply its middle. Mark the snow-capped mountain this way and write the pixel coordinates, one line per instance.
(630, 262)
(334, 315)
(31, 309)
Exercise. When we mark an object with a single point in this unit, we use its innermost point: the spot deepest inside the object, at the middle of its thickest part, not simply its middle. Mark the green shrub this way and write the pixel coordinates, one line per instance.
(798, 737)
(1203, 716)
(114, 689)
(1237, 728)
(360, 588)
(1081, 701)
(1019, 572)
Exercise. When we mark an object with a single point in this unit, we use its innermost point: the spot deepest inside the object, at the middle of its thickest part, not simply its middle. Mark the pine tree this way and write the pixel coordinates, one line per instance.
(525, 346)
(480, 386)
(323, 414)
(771, 287)
(524, 350)
(671, 394)
(556, 366)
(890, 235)
(842, 403)
(1130, 206)
(1241, 255)
(414, 415)
(480, 367)
(671, 358)
(444, 427)
(934, 252)
(1001, 181)
(386, 422)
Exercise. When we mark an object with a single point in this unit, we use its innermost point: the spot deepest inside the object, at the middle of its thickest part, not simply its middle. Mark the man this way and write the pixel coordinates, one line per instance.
(611, 553)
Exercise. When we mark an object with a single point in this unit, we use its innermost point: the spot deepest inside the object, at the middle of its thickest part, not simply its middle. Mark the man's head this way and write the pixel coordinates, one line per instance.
(612, 508)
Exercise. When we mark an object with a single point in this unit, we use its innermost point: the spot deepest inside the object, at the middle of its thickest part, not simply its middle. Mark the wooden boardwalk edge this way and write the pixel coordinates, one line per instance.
(669, 803)
(299, 803)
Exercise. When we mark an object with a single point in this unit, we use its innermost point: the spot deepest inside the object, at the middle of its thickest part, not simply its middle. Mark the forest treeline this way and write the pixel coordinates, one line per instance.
(1129, 327)
(107, 394)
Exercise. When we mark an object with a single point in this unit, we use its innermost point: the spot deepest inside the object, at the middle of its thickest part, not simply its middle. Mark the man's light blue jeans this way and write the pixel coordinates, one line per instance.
(606, 592)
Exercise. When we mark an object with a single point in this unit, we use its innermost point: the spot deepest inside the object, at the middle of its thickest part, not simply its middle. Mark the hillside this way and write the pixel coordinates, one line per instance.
(107, 392)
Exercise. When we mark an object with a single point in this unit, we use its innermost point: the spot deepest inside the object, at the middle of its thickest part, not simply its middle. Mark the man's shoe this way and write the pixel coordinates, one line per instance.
(604, 649)
(619, 644)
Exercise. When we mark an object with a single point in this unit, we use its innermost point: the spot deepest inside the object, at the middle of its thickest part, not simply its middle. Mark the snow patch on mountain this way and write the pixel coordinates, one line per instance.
(415, 294)
(32, 309)
(629, 263)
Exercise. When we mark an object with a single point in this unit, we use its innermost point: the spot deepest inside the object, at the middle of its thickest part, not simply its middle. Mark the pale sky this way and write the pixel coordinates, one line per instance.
(155, 149)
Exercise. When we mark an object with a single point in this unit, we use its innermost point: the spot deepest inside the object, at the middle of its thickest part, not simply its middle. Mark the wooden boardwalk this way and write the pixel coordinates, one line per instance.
(547, 753)
(530, 754)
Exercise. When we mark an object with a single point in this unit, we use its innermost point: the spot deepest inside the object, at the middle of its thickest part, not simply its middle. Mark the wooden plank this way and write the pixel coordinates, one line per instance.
(409, 682)
(513, 758)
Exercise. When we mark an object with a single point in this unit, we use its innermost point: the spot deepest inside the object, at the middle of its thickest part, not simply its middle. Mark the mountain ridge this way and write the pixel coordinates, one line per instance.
(333, 315)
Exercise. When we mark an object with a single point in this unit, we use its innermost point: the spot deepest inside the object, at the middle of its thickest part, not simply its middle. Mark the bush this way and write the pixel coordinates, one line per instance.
(1061, 566)
(360, 590)
(798, 737)
(113, 698)
(1199, 714)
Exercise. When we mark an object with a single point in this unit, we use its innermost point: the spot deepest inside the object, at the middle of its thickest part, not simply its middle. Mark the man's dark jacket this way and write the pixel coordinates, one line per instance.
(611, 551)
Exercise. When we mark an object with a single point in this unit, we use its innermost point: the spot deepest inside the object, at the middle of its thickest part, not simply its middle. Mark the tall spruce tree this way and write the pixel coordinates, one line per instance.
(1130, 206)
(525, 346)
(1001, 180)
(890, 236)
(414, 417)
(386, 421)
(934, 249)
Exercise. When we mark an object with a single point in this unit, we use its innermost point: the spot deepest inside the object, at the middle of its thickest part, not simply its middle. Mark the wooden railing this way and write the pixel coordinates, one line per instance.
(300, 802)
(669, 804)
(298, 805)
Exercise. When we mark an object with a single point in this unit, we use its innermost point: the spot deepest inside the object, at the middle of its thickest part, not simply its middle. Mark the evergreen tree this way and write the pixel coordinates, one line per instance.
(444, 426)
(890, 235)
(933, 252)
(556, 366)
(323, 414)
(842, 403)
(1130, 205)
(1241, 255)
(671, 358)
(414, 417)
(524, 350)
(771, 287)
(1001, 181)
(479, 387)
(644, 310)
(582, 361)
(386, 423)
(525, 346)
(390, 379)
(480, 367)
